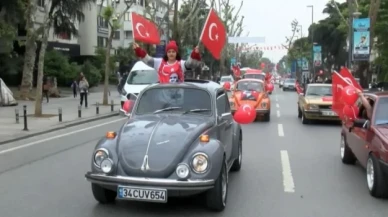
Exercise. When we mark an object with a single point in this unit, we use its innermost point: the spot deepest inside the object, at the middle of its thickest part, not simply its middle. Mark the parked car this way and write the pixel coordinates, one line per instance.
(252, 91)
(316, 103)
(366, 140)
(289, 84)
(180, 140)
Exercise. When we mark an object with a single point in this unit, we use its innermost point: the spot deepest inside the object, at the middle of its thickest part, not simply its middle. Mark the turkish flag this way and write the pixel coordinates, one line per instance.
(338, 83)
(144, 30)
(236, 71)
(213, 34)
(345, 73)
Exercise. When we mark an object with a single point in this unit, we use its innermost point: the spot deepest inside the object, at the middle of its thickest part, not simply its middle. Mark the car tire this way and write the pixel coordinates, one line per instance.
(103, 195)
(216, 197)
(304, 119)
(346, 153)
(376, 180)
(267, 117)
(238, 162)
(299, 112)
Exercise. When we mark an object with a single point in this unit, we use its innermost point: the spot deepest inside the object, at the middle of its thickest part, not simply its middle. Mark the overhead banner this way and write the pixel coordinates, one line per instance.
(317, 50)
(361, 39)
(303, 63)
(249, 40)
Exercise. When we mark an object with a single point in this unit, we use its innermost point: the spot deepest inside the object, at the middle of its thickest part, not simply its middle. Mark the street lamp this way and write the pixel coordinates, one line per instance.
(312, 37)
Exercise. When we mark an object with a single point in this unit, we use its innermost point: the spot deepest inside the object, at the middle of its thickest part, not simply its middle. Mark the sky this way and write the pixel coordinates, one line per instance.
(272, 19)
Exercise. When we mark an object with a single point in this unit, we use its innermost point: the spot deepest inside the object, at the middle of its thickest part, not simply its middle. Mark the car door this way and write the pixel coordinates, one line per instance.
(224, 123)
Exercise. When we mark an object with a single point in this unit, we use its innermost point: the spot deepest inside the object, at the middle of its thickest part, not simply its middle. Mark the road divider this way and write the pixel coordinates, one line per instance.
(280, 130)
(288, 180)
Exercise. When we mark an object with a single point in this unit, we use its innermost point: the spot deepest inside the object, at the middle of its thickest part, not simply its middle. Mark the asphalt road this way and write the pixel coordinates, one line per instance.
(289, 169)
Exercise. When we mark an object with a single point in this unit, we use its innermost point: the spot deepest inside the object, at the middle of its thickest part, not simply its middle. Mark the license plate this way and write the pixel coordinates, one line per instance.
(142, 194)
(329, 113)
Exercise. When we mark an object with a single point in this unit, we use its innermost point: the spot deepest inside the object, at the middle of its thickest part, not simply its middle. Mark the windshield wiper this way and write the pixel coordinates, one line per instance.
(195, 111)
(167, 109)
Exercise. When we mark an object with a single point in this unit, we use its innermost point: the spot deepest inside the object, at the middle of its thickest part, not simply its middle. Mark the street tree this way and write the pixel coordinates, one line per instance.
(114, 19)
(60, 15)
(11, 14)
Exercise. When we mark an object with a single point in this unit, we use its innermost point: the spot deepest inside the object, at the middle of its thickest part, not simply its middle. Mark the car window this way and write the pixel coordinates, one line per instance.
(250, 86)
(381, 113)
(290, 81)
(319, 91)
(185, 98)
(223, 79)
(221, 104)
(255, 76)
(142, 77)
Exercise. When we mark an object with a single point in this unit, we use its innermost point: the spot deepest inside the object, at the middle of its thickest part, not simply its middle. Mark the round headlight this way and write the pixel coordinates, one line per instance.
(263, 105)
(106, 165)
(182, 171)
(99, 156)
(200, 163)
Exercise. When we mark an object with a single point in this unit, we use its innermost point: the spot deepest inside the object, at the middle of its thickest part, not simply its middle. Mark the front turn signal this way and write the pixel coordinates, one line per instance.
(204, 138)
(110, 135)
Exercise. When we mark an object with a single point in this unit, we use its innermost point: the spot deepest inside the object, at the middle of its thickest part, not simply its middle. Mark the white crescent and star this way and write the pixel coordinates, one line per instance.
(138, 25)
(244, 107)
(212, 25)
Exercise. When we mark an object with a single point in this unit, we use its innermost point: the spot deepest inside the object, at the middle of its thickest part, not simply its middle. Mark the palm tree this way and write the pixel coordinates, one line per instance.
(61, 15)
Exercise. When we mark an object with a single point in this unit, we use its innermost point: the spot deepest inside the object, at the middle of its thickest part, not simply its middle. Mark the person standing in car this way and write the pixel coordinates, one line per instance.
(83, 89)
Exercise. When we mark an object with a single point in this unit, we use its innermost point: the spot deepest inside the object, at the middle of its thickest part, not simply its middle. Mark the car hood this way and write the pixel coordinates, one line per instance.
(163, 139)
(325, 100)
(383, 131)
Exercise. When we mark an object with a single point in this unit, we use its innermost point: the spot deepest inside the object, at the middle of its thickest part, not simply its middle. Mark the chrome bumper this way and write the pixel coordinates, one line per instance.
(170, 184)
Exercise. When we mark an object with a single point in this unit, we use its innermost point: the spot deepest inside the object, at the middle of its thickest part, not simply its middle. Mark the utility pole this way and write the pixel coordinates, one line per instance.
(350, 34)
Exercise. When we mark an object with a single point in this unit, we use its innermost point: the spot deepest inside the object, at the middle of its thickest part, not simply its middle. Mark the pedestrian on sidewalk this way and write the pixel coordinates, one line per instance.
(74, 86)
(83, 89)
(45, 89)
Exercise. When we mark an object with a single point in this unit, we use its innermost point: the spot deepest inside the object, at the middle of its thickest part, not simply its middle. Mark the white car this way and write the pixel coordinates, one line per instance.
(140, 77)
(227, 78)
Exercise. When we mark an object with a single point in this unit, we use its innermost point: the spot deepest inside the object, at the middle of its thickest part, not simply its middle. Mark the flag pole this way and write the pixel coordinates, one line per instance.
(203, 28)
(344, 79)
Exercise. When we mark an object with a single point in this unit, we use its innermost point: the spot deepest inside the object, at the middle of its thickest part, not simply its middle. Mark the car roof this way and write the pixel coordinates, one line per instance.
(211, 86)
(377, 94)
(250, 79)
(140, 65)
(320, 85)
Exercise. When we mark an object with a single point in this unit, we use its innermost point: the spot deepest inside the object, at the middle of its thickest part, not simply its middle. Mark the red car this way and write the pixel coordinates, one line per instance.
(256, 74)
(366, 140)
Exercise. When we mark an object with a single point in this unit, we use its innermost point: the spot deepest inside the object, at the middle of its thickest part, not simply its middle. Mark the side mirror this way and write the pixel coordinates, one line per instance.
(361, 123)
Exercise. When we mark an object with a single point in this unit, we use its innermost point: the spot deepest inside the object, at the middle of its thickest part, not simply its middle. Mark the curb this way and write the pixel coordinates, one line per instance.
(60, 128)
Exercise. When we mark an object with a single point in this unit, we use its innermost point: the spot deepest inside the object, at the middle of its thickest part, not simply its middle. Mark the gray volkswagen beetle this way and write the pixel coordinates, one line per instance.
(180, 140)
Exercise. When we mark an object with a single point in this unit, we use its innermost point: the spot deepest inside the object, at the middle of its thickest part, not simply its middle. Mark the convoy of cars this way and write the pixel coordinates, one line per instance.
(180, 140)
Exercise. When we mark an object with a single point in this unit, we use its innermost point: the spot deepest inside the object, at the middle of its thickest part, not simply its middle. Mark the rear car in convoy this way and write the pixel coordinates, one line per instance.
(252, 91)
(316, 104)
(180, 140)
(366, 140)
(256, 74)
(289, 84)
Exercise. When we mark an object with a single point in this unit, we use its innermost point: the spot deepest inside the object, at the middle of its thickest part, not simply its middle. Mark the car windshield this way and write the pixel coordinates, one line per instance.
(290, 81)
(250, 85)
(319, 91)
(224, 79)
(167, 99)
(142, 77)
(255, 76)
(381, 116)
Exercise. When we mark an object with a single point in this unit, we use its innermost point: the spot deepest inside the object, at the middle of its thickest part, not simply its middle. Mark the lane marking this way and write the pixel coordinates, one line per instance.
(280, 130)
(288, 181)
(277, 105)
(278, 113)
(58, 136)
(276, 99)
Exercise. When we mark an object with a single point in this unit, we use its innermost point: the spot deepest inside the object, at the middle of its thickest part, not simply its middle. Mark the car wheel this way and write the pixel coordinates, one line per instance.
(305, 120)
(237, 163)
(103, 195)
(217, 196)
(377, 184)
(347, 155)
(299, 112)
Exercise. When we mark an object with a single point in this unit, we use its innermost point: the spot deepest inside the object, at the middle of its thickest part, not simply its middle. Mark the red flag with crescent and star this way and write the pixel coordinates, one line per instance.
(213, 34)
(144, 30)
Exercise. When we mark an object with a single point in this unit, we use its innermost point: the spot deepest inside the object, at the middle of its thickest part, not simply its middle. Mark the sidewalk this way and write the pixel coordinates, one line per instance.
(11, 131)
